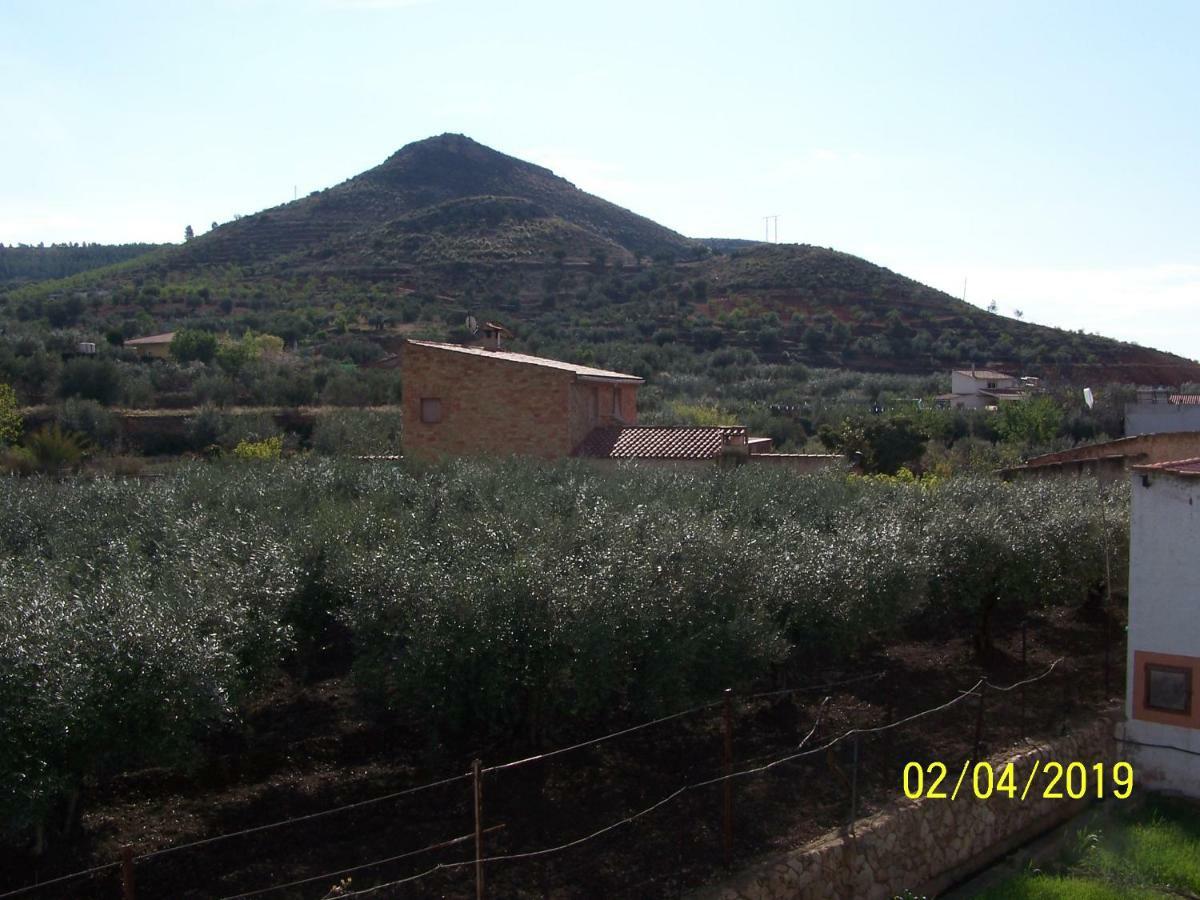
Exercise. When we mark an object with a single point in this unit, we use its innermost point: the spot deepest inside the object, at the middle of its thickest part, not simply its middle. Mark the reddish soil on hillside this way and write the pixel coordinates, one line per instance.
(313, 746)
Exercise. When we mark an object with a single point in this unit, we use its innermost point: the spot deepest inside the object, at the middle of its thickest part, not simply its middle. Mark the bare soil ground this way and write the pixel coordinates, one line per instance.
(310, 746)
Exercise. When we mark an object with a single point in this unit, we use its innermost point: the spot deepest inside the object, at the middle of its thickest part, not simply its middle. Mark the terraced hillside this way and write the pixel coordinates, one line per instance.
(446, 225)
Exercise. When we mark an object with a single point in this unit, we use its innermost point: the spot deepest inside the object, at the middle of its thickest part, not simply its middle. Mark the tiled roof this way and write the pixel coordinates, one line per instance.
(152, 339)
(1190, 467)
(657, 443)
(1184, 399)
(983, 373)
(583, 371)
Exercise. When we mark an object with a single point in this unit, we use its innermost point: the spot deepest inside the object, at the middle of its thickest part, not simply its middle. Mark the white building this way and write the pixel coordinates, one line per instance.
(981, 388)
(1161, 410)
(1162, 727)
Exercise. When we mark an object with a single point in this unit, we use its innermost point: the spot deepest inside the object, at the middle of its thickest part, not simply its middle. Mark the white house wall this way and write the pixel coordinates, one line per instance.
(1164, 618)
(1159, 418)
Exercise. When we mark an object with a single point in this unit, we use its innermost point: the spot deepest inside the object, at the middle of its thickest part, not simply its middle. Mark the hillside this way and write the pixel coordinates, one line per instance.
(446, 225)
(22, 264)
(441, 199)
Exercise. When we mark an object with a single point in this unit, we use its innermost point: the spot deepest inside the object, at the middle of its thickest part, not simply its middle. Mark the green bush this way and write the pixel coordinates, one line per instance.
(11, 421)
(358, 432)
(53, 450)
(97, 425)
(267, 449)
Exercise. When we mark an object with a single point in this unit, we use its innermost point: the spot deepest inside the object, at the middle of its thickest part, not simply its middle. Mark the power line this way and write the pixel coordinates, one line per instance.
(379, 862)
(59, 880)
(309, 817)
(599, 740)
(1154, 746)
(509, 857)
(814, 687)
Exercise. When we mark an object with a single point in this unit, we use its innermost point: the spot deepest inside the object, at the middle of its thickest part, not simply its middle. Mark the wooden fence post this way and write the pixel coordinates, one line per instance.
(477, 778)
(1024, 675)
(127, 884)
(728, 784)
(979, 722)
(854, 785)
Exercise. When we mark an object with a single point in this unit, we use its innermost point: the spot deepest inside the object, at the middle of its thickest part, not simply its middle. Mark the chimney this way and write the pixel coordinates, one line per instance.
(492, 333)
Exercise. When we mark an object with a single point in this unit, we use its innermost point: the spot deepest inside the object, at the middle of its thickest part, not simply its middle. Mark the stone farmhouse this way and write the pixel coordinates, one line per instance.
(1161, 733)
(486, 401)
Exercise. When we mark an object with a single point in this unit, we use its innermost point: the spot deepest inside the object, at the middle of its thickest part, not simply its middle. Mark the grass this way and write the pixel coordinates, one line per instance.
(1153, 851)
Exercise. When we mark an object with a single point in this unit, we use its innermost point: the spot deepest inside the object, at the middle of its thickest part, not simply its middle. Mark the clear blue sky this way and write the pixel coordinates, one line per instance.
(1045, 152)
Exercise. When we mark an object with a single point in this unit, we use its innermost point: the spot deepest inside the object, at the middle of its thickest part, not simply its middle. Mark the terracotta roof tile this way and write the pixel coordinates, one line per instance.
(1190, 467)
(657, 443)
(1184, 399)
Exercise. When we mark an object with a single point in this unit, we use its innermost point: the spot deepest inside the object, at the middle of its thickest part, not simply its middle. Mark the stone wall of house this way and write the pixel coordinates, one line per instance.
(923, 846)
(490, 406)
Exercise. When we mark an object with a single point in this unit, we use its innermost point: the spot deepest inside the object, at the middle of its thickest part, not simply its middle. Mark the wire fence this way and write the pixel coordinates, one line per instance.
(739, 768)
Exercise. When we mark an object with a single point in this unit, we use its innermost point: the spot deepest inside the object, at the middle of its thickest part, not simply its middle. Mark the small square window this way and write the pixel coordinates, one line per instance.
(431, 410)
(1169, 689)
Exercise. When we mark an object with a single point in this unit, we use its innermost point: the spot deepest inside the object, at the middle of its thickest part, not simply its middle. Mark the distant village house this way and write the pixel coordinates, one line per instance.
(154, 346)
(982, 389)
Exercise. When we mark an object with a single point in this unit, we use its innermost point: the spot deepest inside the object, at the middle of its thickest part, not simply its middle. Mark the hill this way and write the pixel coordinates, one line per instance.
(446, 225)
(22, 263)
(446, 198)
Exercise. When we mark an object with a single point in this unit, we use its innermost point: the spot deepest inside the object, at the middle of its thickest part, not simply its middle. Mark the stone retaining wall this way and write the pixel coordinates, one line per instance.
(923, 846)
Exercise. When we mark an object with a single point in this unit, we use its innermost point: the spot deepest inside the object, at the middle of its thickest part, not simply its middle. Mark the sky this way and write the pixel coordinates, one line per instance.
(1041, 155)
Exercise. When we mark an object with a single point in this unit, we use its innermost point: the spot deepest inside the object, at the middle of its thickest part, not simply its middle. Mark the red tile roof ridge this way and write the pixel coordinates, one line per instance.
(1174, 466)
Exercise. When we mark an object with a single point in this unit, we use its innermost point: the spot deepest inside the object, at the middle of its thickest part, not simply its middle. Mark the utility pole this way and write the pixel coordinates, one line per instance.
(767, 220)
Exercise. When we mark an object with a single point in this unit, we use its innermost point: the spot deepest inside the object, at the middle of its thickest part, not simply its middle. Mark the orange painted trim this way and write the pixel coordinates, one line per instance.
(1143, 658)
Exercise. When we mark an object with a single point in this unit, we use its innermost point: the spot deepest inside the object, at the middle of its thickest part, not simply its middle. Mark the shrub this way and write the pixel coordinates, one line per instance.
(53, 450)
(359, 432)
(270, 448)
(89, 419)
(193, 345)
(11, 422)
(91, 379)
(205, 428)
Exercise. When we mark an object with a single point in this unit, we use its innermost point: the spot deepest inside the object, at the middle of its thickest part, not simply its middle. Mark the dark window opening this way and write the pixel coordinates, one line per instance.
(431, 410)
(1169, 689)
